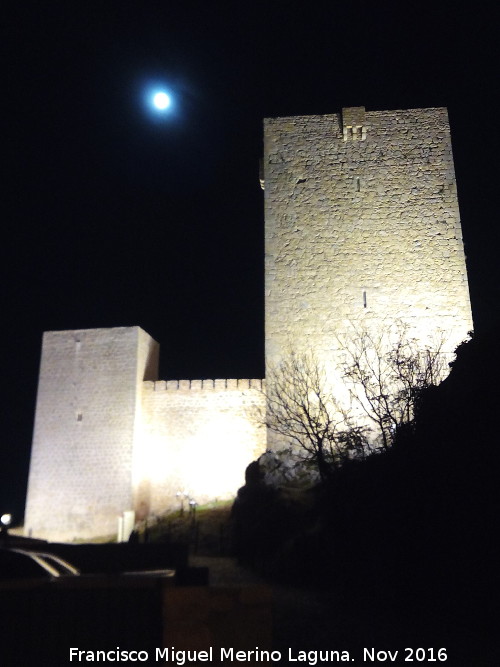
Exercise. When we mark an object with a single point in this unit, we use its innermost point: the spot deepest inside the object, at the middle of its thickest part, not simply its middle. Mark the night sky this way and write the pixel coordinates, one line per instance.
(115, 217)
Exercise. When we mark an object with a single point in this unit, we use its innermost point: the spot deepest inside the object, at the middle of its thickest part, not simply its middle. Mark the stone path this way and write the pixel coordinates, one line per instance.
(302, 619)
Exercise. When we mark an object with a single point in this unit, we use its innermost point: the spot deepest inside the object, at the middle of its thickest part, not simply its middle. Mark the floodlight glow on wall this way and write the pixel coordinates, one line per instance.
(6, 519)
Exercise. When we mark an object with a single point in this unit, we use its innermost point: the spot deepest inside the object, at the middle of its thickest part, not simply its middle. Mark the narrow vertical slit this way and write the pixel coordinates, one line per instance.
(364, 299)
(358, 184)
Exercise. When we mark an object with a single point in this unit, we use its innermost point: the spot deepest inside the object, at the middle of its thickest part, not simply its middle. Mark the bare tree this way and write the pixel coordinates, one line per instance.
(382, 376)
(386, 373)
(301, 408)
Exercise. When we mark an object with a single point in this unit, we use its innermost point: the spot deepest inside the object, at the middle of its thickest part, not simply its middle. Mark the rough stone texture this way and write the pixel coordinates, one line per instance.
(86, 419)
(361, 230)
(110, 438)
(362, 227)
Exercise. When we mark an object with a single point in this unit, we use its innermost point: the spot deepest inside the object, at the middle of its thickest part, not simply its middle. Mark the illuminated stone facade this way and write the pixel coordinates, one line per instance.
(362, 229)
(198, 436)
(85, 421)
(109, 437)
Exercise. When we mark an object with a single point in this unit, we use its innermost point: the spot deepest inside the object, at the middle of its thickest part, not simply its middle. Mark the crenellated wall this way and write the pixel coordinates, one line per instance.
(109, 437)
(197, 385)
(198, 437)
(362, 229)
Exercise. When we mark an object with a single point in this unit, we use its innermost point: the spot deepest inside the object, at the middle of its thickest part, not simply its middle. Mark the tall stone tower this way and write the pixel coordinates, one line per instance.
(87, 416)
(362, 229)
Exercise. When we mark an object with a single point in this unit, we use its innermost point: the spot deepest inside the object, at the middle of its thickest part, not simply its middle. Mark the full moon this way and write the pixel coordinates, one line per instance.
(161, 101)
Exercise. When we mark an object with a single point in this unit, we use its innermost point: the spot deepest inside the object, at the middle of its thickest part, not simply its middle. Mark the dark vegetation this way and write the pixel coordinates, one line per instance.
(407, 537)
(205, 530)
(384, 374)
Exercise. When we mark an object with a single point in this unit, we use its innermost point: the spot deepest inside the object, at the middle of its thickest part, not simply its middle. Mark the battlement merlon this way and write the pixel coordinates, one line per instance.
(354, 123)
(233, 384)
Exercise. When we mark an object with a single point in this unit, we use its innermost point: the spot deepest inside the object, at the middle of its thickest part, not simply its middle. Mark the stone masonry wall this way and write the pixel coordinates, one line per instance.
(81, 462)
(109, 437)
(198, 437)
(362, 226)
(362, 229)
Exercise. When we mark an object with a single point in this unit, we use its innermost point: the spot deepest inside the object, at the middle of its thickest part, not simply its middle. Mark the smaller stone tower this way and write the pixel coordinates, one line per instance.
(87, 414)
